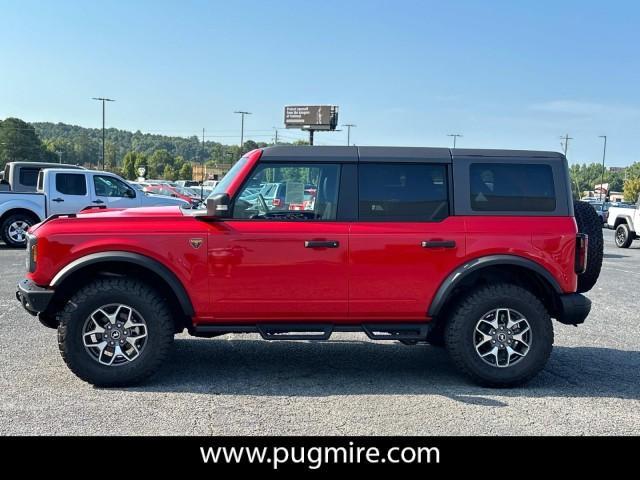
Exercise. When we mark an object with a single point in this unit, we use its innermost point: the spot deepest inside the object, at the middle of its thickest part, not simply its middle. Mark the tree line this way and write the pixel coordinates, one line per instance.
(166, 157)
(171, 158)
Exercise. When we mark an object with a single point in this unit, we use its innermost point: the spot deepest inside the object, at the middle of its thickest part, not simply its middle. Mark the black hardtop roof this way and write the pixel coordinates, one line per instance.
(302, 153)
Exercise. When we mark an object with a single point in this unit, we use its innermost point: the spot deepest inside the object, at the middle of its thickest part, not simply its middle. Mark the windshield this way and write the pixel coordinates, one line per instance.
(222, 186)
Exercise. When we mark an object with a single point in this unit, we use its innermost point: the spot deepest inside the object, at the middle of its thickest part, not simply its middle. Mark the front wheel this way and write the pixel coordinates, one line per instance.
(623, 236)
(115, 332)
(500, 335)
(14, 229)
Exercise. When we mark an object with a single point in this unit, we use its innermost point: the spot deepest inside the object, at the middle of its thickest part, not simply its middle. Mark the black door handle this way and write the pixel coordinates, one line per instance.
(439, 244)
(98, 201)
(321, 244)
(58, 200)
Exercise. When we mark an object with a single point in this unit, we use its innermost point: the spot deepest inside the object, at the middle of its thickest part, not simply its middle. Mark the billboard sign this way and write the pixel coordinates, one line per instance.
(311, 117)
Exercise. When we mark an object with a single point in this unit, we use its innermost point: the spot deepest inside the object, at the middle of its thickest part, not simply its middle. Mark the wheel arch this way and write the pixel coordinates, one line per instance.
(20, 210)
(119, 263)
(511, 268)
(624, 219)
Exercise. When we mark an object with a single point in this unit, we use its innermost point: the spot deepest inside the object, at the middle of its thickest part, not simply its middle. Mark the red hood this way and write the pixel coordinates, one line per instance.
(169, 211)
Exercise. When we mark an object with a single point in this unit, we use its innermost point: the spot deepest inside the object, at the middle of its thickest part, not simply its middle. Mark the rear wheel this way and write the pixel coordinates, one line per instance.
(590, 223)
(14, 229)
(500, 335)
(624, 237)
(115, 332)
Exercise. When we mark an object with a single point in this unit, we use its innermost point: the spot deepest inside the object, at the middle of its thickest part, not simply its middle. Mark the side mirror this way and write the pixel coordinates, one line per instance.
(218, 206)
(130, 194)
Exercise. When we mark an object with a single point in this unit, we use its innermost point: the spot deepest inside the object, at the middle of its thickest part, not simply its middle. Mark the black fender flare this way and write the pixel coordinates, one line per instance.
(133, 258)
(460, 273)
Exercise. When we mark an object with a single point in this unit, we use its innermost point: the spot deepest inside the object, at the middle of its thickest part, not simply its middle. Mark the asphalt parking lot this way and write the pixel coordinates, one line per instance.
(240, 385)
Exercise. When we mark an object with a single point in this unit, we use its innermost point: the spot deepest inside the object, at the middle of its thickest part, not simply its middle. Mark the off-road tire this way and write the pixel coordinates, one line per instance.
(589, 222)
(459, 335)
(623, 236)
(135, 293)
(6, 224)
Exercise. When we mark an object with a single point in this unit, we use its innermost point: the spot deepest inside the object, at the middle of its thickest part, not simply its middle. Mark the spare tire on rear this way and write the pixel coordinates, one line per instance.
(589, 222)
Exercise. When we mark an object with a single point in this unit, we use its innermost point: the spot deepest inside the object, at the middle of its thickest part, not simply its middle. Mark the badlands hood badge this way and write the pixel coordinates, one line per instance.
(196, 242)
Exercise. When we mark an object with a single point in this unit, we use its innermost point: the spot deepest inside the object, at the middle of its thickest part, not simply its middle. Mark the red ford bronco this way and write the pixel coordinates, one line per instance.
(475, 250)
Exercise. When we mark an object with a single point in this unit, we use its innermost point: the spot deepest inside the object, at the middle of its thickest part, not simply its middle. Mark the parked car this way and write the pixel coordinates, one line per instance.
(171, 191)
(23, 176)
(187, 183)
(476, 250)
(602, 211)
(65, 191)
(626, 222)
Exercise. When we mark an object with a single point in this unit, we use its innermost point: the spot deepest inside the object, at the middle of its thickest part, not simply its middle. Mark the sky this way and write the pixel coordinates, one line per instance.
(504, 74)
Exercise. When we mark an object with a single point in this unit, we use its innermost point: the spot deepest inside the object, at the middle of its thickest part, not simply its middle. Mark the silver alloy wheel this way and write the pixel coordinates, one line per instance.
(114, 334)
(502, 337)
(18, 231)
(620, 236)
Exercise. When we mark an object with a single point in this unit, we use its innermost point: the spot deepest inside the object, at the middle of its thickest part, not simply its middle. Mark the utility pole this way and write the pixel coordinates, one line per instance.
(242, 129)
(103, 100)
(604, 154)
(455, 137)
(59, 156)
(349, 125)
(275, 129)
(565, 143)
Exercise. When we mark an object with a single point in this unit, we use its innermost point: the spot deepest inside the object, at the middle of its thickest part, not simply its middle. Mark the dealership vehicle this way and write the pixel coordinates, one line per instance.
(64, 191)
(626, 222)
(23, 176)
(187, 183)
(602, 210)
(476, 250)
(171, 191)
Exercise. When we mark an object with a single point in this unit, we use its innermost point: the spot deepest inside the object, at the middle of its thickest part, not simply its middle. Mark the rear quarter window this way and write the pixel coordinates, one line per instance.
(511, 187)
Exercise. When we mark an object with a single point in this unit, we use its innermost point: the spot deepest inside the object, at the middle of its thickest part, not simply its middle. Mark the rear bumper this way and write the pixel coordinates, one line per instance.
(33, 298)
(573, 309)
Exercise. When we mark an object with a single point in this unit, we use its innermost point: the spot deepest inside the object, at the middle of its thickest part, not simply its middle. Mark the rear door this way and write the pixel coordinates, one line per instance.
(68, 193)
(405, 242)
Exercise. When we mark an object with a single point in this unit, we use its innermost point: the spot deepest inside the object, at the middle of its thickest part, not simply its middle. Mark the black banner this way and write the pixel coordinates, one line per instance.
(486, 455)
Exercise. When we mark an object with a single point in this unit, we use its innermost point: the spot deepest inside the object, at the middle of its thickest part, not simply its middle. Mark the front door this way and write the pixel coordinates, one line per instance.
(282, 260)
(112, 192)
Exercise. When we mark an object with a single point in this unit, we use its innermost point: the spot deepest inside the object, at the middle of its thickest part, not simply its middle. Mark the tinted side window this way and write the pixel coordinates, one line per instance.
(289, 192)
(71, 184)
(111, 187)
(402, 192)
(28, 176)
(506, 187)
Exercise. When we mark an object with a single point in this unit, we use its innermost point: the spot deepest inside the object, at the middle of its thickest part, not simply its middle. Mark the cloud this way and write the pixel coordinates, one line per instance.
(585, 109)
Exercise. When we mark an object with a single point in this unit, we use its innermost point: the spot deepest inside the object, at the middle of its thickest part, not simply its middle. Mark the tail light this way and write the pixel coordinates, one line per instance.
(276, 202)
(582, 245)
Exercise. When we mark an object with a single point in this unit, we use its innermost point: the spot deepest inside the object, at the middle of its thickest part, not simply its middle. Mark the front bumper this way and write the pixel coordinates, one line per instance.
(33, 298)
(573, 309)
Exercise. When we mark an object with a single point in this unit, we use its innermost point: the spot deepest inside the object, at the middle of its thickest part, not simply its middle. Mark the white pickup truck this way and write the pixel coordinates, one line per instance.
(626, 222)
(64, 191)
